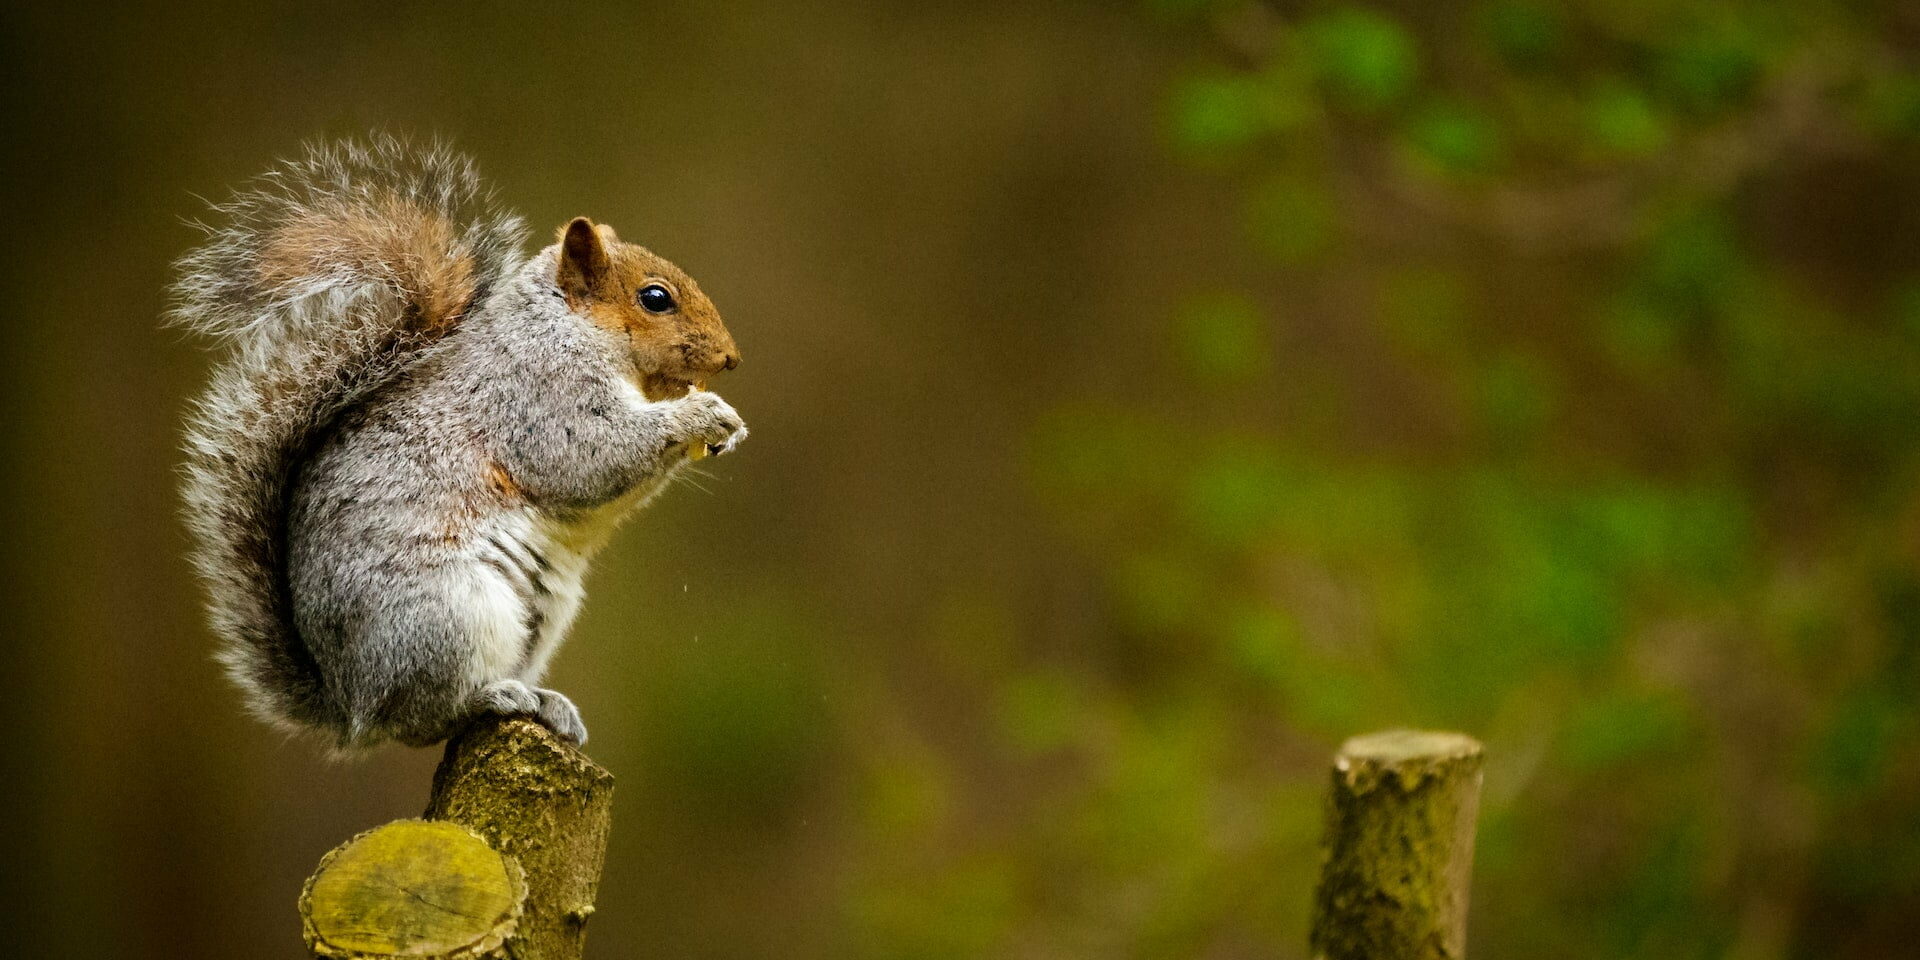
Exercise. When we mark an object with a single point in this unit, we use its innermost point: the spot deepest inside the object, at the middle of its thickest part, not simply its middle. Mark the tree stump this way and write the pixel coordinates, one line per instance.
(1398, 852)
(506, 863)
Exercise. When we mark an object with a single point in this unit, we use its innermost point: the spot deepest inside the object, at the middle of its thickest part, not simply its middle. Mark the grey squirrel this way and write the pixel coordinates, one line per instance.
(418, 438)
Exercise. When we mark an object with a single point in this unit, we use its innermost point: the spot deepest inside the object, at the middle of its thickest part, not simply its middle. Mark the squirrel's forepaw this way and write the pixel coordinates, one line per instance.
(710, 425)
(701, 451)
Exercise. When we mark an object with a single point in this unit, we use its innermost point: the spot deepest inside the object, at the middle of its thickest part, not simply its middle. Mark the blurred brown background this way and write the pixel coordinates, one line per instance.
(1144, 397)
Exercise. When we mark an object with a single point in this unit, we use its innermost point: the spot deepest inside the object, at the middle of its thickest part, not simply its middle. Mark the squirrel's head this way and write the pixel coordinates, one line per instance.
(672, 329)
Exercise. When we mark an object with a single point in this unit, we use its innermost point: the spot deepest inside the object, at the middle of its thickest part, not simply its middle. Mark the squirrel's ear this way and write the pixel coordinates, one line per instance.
(584, 263)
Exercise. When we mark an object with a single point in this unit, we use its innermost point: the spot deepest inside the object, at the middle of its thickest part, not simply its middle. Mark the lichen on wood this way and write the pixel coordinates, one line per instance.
(1398, 852)
(413, 888)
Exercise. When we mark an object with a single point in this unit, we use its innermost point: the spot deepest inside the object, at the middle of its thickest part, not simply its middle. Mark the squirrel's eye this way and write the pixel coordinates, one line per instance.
(655, 298)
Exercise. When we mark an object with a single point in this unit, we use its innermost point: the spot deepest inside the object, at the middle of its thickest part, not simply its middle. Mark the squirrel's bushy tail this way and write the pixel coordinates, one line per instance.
(323, 279)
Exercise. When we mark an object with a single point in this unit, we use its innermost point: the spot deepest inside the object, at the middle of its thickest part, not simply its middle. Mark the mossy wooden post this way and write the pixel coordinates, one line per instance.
(1398, 853)
(505, 864)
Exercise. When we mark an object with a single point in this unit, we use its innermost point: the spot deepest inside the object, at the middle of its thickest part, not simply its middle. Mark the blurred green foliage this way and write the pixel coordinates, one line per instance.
(1543, 424)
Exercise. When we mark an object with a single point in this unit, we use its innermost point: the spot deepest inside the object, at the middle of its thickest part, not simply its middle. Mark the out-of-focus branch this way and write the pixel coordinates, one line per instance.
(1399, 848)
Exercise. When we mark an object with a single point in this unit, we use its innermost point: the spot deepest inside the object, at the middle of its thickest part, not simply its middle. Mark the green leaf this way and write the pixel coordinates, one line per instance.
(1366, 57)
(1523, 34)
(1264, 642)
(1221, 339)
(1216, 111)
(1515, 396)
(1220, 111)
(1711, 69)
(1455, 138)
(1890, 105)
(1694, 257)
(1234, 495)
(1640, 333)
(1623, 122)
(1861, 731)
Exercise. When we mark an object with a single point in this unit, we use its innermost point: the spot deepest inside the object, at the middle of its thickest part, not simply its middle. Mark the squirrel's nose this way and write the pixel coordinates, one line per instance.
(732, 360)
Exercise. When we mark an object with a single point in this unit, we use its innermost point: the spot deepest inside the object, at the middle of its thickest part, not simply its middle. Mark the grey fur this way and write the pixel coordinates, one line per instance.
(368, 576)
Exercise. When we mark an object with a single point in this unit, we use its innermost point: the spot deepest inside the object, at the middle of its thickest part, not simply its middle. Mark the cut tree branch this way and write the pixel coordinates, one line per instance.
(506, 863)
(1399, 848)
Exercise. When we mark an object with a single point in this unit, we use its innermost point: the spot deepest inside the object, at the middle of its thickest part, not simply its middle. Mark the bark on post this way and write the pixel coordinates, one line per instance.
(505, 865)
(542, 802)
(1398, 852)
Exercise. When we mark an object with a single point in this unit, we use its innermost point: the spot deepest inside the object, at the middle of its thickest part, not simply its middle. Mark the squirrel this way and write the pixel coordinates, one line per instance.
(418, 438)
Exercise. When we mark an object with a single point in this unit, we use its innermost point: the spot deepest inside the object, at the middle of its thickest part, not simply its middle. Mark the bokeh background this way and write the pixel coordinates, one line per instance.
(1145, 396)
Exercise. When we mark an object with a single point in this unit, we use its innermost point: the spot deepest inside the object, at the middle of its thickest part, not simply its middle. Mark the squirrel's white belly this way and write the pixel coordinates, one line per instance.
(526, 594)
(555, 608)
(496, 620)
(528, 569)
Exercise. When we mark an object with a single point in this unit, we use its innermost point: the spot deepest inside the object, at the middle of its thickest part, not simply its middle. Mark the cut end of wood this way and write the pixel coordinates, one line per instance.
(413, 888)
(1405, 758)
(1399, 746)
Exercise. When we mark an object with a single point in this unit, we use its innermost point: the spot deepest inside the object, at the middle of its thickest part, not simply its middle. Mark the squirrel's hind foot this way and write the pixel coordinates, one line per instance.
(550, 707)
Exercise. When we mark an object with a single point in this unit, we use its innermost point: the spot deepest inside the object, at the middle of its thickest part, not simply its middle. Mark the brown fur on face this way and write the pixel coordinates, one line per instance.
(602, 277)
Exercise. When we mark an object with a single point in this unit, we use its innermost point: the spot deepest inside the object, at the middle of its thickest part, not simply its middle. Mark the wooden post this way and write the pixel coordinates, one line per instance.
(506, 863)
(1398, 852)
